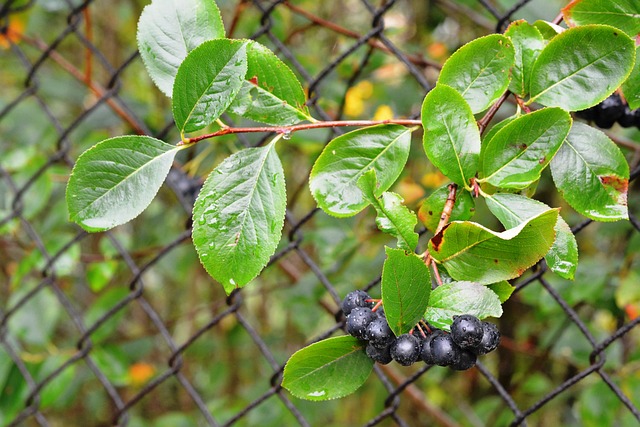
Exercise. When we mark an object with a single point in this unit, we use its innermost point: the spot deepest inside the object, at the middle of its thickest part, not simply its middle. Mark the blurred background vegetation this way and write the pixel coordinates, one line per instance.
(51, 115)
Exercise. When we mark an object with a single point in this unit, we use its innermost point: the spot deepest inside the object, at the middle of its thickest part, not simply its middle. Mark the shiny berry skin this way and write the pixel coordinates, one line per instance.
(466, 360)
(467, 331)
(425, 351)
(490, 339)
(405, 349)
(444, 351)
(379, 333)
(355, 299)
(358, 320)
(380, 355)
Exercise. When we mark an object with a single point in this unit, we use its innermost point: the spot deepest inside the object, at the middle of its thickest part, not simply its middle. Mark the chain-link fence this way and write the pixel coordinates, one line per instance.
(125, 328)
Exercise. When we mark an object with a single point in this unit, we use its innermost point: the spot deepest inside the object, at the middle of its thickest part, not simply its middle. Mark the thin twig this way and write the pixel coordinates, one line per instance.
(287, 130)
(88, 54)
(97, 89)
(414, 59)
(484, 122)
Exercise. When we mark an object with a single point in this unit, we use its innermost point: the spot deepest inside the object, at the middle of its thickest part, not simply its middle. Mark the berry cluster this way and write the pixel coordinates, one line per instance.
(612, 110)
(459, 349)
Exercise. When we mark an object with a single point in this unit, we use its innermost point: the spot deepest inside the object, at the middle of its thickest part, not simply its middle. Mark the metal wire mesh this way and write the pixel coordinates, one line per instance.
(65, 46)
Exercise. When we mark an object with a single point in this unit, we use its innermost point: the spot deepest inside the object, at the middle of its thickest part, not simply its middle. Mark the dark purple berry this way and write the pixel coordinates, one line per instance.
(629, 118)
(358, 320)
(466, 360)
(589, 113)
(379, 333)
(466, 331)
(425, 351)
(380, 312)
(490, 339)
(444, 351)
(609, 110)
(380, 355)
(355, 299)
(405, 349)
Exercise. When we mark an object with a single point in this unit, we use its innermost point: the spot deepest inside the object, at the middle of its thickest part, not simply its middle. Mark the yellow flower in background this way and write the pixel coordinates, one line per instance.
(384, 112)
(434, 180)
(356, 95)
(12, 34)
(140, 373)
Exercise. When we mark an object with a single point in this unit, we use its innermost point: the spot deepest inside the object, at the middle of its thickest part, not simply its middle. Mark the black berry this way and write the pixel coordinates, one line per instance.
(379, 333)
(354, 299)
(444, 351)
(629, 118)
(405, 349)
(358, 320)
(490, 339)
(425, 351)
(609, 110)
(380, 355)
(466, 331)
(466, 360)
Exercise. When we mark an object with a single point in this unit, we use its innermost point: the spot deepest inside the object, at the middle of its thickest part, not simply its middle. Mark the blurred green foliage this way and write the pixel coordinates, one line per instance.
(286, 305)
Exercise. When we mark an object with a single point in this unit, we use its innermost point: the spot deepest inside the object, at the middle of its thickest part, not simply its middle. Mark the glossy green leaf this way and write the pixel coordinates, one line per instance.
(207, 82)
(581, 67)
(547, 29)
(472, 252)
(517, 153)
(623, 14)
(169, 29)
(406, 285)
(479, 70)
(271, 93)
(393, 217)
(513, 209)
(239, 214)
(115, 180)
(528, 43)
(328, 369)
(591, 174)
(335, 174)
(503, 289)
(451, 136)
(456, 298)
(631, 87)
(431, 209)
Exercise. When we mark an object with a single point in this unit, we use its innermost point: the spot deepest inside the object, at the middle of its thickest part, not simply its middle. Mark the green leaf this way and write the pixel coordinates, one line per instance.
(271, 93)
(334, 177)
(432, 207)
(456, 298)
(581, 67)
(479, 70)
(517, 153)
(623, 14)
(207, 82)
(592, 174)
(631, 87)
(513, 209)
(451, 136)
(328, 369)
(115, 180)
(406, 285)
(548, 29)
(169, 29)
(239, 214)
(472, 252)
(528, 43)
(502, 289)
(393, 217)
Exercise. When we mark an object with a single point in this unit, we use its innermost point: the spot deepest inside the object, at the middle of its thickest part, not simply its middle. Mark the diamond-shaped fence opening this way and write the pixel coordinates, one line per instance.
(125, 327)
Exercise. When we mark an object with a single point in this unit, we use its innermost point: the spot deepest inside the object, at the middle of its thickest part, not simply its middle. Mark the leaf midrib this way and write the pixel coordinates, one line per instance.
(124, 179)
